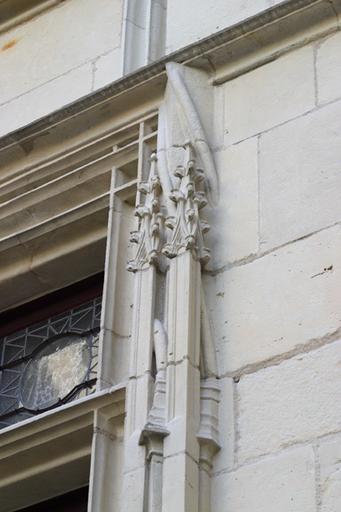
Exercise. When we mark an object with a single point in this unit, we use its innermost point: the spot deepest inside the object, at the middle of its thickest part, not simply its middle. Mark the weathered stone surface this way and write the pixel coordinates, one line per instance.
(186, 416)
(124, 298)
(266, 306)
(107, 68)
(295, 401)
(133, 488)
(328, 66)
(278, 302)
(234, 222)
(330, 475)
(300, 177)
(269, 95)
(45, 99)
(284, 483)
(224, 459)
(180, 466)
(39, 53)
(198, 20)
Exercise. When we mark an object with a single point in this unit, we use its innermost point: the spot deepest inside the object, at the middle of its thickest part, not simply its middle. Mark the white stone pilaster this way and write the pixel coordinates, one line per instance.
(139, 389)
(186, 251)
(181, 447)
(141, 482)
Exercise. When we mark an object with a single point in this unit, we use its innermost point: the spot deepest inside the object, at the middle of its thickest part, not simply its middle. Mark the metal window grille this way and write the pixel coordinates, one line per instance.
(49, 363)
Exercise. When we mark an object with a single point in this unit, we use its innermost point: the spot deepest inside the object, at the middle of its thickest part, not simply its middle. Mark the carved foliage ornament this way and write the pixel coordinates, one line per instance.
(151, 220)
(187, 228)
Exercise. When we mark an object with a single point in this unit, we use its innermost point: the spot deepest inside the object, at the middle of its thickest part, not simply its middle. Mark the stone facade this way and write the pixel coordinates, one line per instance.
(219, 380)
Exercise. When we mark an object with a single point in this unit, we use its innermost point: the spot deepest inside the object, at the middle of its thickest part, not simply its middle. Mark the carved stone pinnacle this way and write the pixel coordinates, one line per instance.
(187, 227)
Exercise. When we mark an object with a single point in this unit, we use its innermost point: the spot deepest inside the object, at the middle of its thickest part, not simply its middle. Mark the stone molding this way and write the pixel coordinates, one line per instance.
(51, 431)
(187, 227)
(176, 417)
(156, 418)
(181, 91)
(151, 220)
(144, 30)
(231, 52)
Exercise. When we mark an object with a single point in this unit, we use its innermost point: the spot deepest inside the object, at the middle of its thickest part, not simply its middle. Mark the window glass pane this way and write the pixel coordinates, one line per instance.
(49, 363)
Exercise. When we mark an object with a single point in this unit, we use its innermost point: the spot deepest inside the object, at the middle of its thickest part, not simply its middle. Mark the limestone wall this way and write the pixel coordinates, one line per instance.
(58, 56)
(274, 282)
(195, 20)
(74, 47)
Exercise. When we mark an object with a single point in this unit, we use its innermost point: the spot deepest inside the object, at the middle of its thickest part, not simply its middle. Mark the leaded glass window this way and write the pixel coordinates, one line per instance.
(49, 363)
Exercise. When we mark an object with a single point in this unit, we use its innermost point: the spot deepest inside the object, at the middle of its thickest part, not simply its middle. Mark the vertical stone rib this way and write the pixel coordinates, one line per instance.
(142, 488)
(186, 251)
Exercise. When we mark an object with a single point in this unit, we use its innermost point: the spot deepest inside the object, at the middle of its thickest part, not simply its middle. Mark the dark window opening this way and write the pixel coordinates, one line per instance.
(51, 304)
(75, 501)
(49, 351)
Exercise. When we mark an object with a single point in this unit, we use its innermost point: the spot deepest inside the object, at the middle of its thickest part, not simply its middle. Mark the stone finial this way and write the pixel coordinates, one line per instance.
(148, 237)
(187, 227)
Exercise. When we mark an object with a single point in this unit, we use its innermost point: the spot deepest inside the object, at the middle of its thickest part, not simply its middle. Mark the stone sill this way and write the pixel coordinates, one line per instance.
(50, 454)
(64, 414)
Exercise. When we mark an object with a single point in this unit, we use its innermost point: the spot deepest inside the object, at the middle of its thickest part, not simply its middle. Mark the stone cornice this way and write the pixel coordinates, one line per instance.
(224, 55)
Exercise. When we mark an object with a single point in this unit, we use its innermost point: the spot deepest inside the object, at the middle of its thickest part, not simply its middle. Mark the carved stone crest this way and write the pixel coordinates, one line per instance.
(151, 220)
(187, 227)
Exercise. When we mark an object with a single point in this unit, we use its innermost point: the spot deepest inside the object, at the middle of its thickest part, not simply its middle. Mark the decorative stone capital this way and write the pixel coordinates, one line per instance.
(187, 227)
(152, 438)
(148, 237)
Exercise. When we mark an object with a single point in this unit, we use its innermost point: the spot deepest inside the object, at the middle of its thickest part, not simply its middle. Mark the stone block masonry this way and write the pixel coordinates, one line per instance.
(328, 66)
(285, 483)
(329, 458)
(198, 20)
(238, 205)
(241, 404)
(269, 95)
(300, 161)
(282, 303)
(284, 446)
(296, 400)
(273, 286)
(42, 71)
